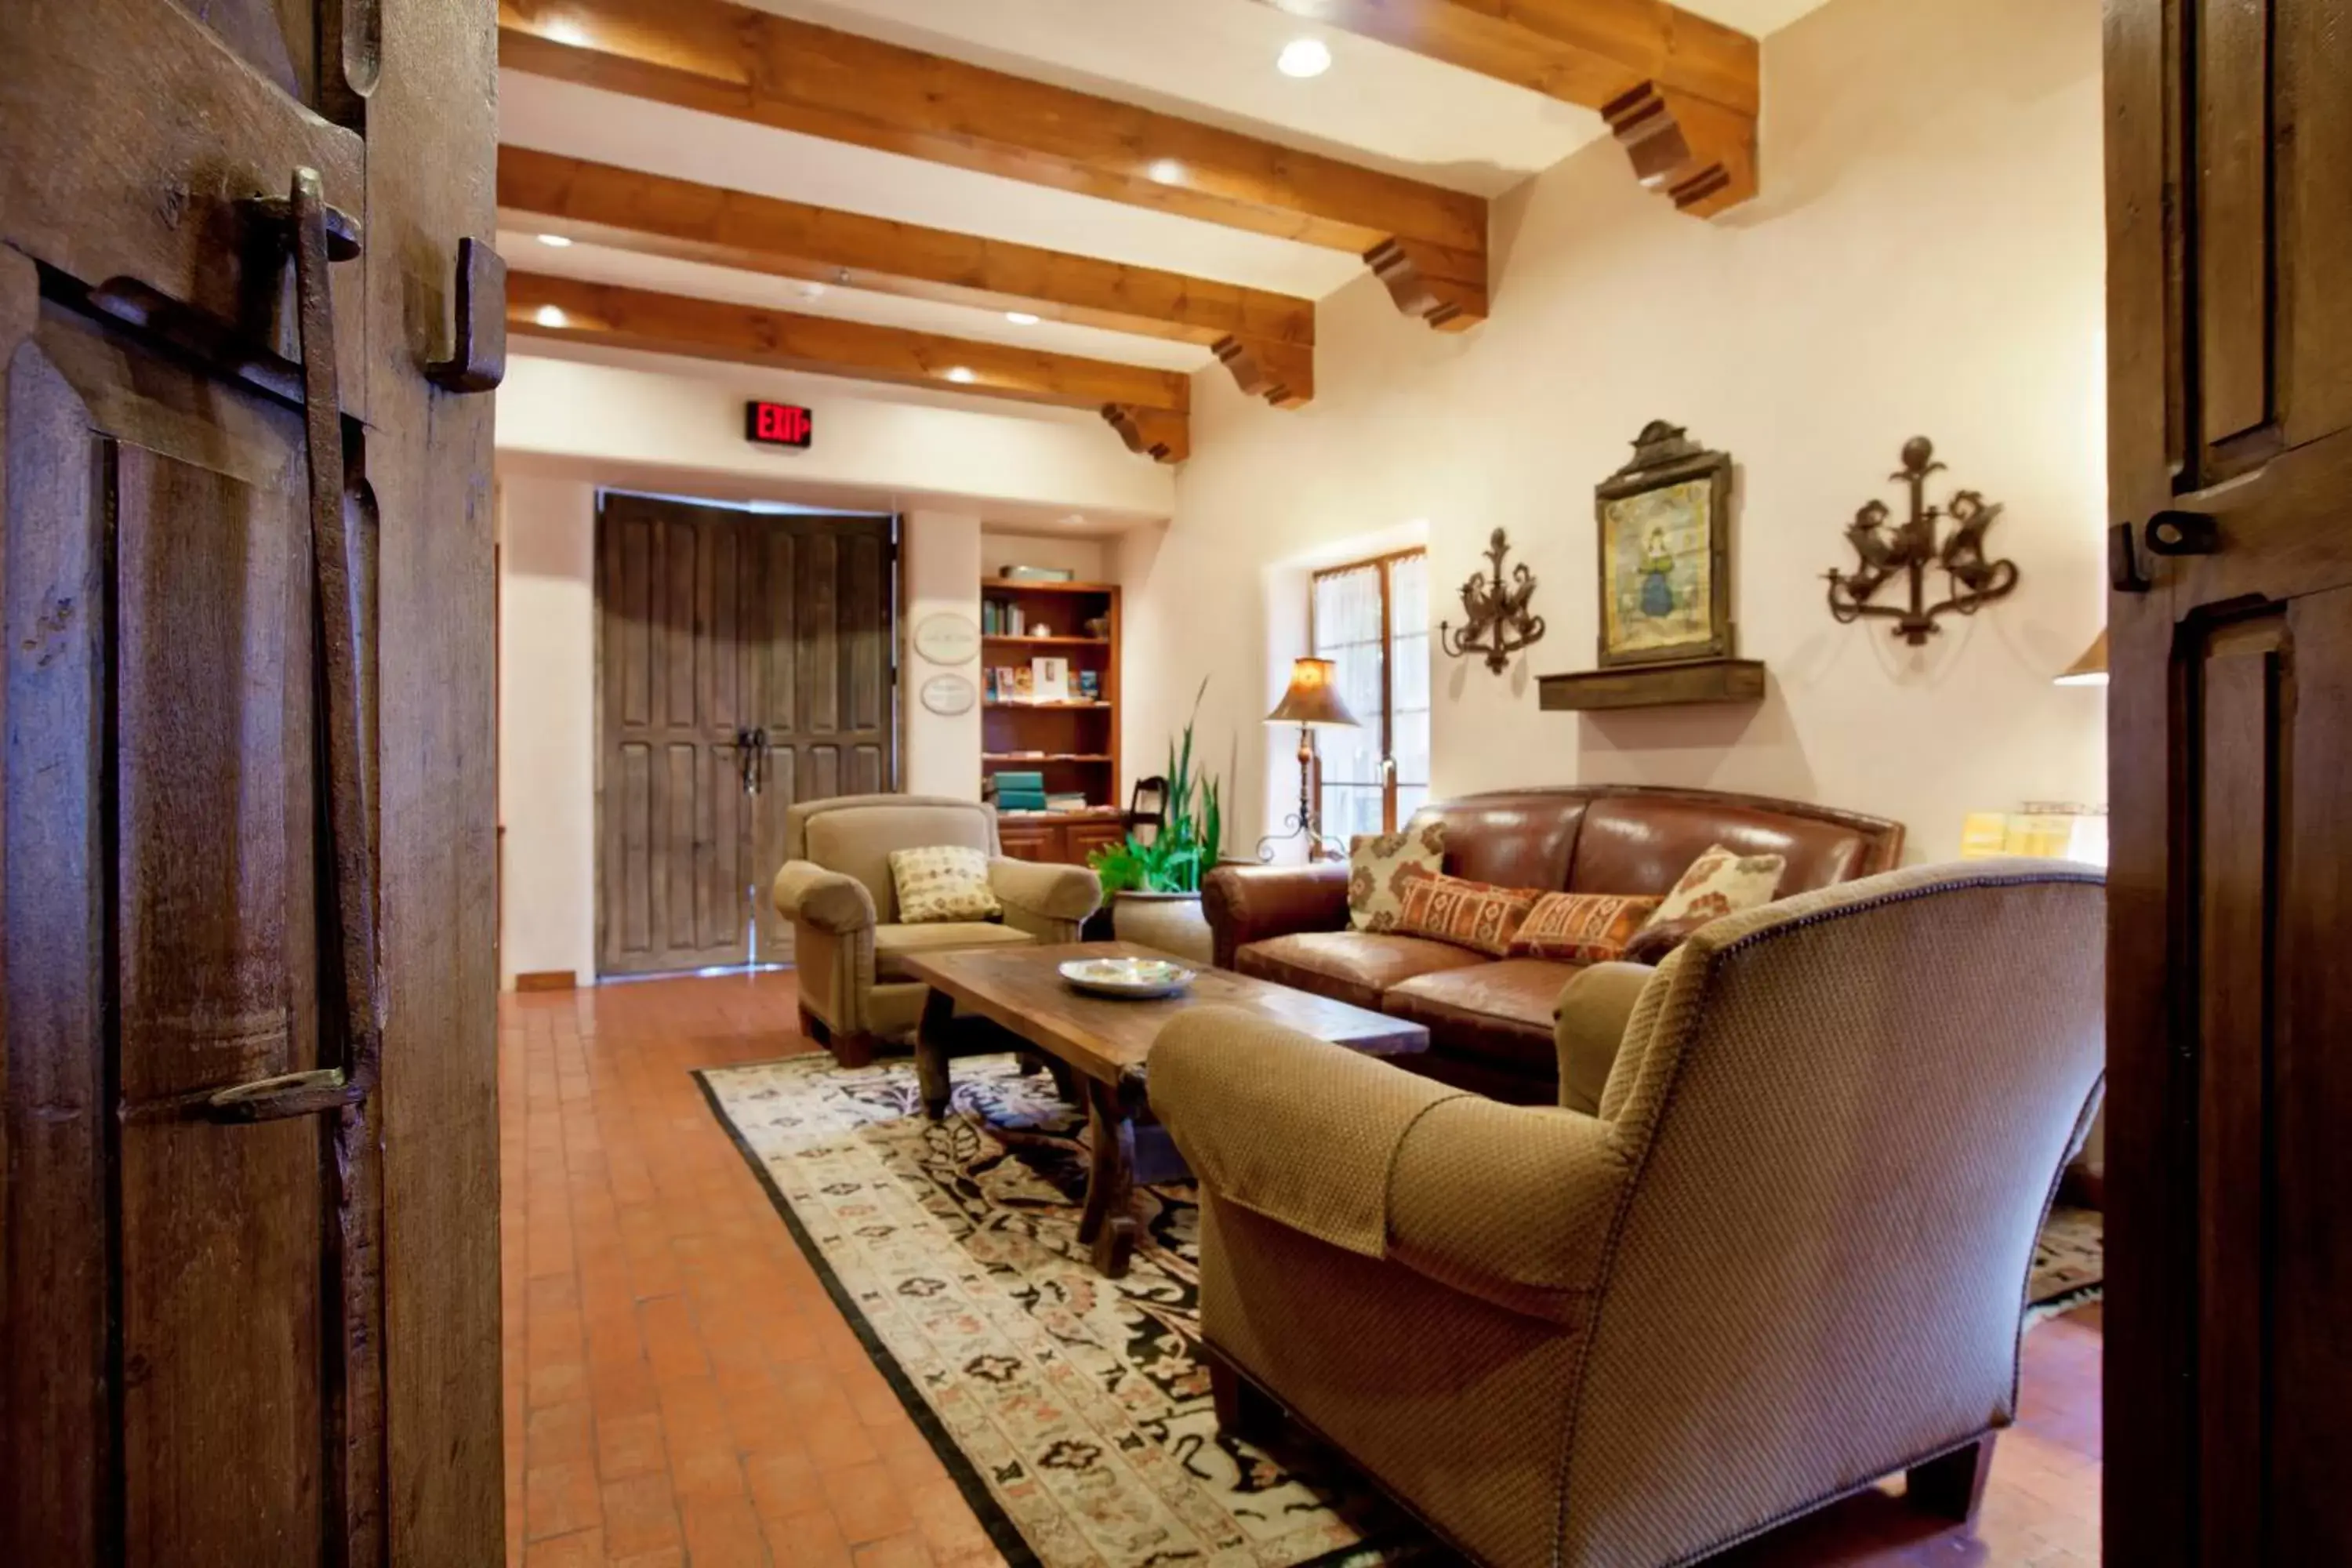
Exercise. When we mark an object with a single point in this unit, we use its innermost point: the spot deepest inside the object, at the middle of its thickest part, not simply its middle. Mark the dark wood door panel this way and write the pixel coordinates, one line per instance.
(2230, 330)
(718, 621)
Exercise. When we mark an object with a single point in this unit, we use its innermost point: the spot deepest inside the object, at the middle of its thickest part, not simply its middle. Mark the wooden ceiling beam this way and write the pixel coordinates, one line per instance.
(538, 305)
(750, 65)
(1681, 92)
(1267, 340)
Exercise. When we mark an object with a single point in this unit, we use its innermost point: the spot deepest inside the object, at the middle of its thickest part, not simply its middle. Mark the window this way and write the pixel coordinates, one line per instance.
(1371, 619)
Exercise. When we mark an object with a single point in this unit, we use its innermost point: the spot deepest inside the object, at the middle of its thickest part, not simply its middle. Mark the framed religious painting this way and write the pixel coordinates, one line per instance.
(1666, 552)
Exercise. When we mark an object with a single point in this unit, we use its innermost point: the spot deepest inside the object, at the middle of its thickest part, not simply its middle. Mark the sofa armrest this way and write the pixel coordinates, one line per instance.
(1651, 943)
(1588, 1025)
(1049, 894)
(1250, 903)
(1510, 1204)
(806, 893)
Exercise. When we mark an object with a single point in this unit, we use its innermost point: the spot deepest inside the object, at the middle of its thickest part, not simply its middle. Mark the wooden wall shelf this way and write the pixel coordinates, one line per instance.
(1703, 681)
(1074, 743)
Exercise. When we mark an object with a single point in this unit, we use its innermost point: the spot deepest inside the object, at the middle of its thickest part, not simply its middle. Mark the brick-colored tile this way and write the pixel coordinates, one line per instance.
(640, 1514)
(723, 1532)
(629, 1445)
(559, 1435)
(559, 1499)
(581, 1549)
(808, 1540)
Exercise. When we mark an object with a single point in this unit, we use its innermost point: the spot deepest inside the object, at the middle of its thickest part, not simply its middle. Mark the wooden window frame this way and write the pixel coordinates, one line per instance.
(1386, 566)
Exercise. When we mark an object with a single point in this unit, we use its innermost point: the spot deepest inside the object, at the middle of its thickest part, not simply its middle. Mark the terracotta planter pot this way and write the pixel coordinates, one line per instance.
(1172, 923)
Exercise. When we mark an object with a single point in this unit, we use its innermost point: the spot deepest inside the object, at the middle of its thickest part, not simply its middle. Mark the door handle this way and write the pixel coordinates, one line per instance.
(303, 220)
(479, 360)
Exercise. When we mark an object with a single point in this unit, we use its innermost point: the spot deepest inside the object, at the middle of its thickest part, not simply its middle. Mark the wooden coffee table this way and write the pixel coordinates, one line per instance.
(1105, 1045)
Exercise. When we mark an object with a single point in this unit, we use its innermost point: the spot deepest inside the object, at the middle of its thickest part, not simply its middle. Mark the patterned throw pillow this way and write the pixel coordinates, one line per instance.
(947, 882)
(1721, 883)
(1378, 864)
(1581, 928)
(1476, 915)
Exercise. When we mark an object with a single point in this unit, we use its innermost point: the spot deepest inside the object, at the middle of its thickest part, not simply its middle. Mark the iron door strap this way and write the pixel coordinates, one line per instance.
(344, 584)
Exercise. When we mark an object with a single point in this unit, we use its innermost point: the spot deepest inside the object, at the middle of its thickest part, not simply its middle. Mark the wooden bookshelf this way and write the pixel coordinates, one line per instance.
(1078, 739)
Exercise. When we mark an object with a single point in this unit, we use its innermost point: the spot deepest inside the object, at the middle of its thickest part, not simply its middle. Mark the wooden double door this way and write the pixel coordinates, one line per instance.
(2229, 1193)
(249, 1230)
(745, 662)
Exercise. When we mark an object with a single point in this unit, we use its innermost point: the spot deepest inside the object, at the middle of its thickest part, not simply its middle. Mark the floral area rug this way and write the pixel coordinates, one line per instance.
(1070, 1408)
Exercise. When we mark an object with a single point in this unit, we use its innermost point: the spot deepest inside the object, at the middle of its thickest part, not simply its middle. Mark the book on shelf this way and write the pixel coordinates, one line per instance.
(1089, 684)
(1066, 803)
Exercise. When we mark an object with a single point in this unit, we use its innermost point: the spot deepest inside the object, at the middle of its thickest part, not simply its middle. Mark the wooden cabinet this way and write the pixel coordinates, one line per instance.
(1058, 838)
(1073, 743)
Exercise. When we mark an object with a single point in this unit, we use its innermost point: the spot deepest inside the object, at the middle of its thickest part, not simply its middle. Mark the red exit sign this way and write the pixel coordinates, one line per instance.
(778, 425)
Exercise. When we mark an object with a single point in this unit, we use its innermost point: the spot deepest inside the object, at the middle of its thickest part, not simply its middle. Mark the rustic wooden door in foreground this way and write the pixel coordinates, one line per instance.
(745, 662)
(250, 1277)
(2229, 1372)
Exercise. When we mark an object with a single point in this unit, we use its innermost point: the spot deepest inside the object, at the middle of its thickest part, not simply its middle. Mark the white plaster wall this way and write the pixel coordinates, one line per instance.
(940, 569)
(1083, 556)
(547, 726)
(1927, 257)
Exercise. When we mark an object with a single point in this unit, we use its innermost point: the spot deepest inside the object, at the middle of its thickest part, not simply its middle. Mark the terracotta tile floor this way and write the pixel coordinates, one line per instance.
(680, 1390)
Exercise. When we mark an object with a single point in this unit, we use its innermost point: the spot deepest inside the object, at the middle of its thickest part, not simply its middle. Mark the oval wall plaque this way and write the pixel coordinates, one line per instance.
(948, 694)
(947, 638)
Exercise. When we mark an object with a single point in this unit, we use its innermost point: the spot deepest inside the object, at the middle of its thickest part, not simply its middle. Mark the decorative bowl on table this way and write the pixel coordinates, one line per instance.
(1136, 978)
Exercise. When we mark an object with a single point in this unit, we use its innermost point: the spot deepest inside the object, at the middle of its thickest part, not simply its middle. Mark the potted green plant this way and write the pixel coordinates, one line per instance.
(1154, 886)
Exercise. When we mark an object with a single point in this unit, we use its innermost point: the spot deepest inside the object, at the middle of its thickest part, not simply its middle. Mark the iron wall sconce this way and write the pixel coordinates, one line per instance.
(1912, 548)
(1499, 624)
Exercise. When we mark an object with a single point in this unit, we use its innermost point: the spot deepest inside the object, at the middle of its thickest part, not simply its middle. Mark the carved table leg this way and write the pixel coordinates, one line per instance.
(931, 1039)
(1109, 1219)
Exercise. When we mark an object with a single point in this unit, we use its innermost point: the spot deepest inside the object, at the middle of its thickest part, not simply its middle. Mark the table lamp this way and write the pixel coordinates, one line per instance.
(1312, 703)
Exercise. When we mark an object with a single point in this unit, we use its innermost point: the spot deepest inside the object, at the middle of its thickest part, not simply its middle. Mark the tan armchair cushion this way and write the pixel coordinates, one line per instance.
(1510, 1204)
(895, 942)
(1588, 1027)
(1289, 1126)
(854, 835)
(1050, 892)
(828, 901)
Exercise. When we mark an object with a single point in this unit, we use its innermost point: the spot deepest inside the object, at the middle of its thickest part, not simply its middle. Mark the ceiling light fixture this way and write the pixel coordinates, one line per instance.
(961, 373)
(563, 31)
(551, 316)
(811, 290)
(1166, 170)
(557, 240)
(1021, 318)
(1304, 58)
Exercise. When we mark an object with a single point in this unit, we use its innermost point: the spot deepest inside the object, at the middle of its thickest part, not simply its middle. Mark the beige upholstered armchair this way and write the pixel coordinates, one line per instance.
(836, 889)
(1785, 1258)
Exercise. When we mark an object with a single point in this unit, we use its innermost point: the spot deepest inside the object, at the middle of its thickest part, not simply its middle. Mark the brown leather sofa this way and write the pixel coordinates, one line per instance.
(1490, 1021)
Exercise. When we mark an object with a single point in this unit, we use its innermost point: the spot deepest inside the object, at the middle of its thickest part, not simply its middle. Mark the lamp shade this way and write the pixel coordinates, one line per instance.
(1312, 698)
(2091, 669)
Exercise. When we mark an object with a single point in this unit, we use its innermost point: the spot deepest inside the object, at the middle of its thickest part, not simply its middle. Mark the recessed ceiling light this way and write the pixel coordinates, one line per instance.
(1304, 58)
(960, 373)
(1021, 318)
(551, 316)
(811, 290)
(557, 240)
(1166, 170)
